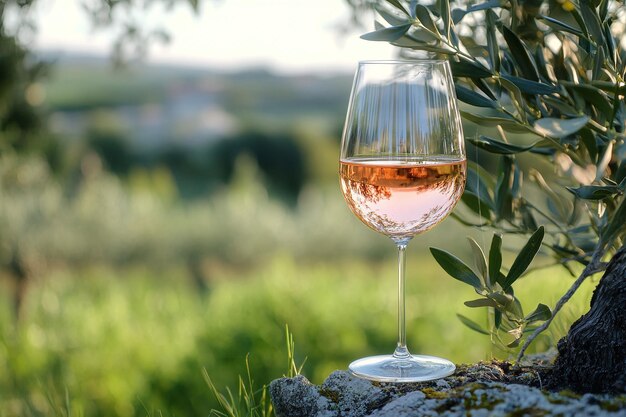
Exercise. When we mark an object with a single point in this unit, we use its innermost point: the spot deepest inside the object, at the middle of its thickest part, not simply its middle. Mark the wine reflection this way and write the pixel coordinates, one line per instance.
(401, 200)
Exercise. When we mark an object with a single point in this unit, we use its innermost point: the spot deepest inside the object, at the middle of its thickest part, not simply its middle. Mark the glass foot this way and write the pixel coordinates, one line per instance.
(389, 368)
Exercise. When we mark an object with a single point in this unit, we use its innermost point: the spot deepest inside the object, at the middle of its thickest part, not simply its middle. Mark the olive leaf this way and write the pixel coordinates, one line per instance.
(592, 22)
(595, 192)
(456, 268)
(495, 258)
(498, 147)
(541, 313)
(399, 6)
(593, 95)
(479, 260)
(497, 316)
(472, 324)
(501, 298)
(423, 15)
(559, 128)
(616, 225)
(503, 196)
(515, 95)
(558, 25)
(530, 87)
(514, 308)
(469, 69)
(391, 18)
(507, 124)
(522, 58)
(481, 302)
(459, 14)
(492, 41)
(525, 257)
(444, 9)
(388, 34)
(471, 97)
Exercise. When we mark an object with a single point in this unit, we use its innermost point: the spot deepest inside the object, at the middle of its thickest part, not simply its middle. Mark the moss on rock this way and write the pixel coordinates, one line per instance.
(486, 389)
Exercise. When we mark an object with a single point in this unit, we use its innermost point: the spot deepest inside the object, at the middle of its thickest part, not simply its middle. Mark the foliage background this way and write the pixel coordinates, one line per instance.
(549, 78)
(140, 244)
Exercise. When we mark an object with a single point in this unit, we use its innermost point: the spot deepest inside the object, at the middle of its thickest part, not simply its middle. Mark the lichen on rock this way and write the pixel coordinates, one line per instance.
(298, 397)
(491, 389)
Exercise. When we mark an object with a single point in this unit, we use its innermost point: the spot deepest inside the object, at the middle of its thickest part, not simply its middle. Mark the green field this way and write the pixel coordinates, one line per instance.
(121, 342)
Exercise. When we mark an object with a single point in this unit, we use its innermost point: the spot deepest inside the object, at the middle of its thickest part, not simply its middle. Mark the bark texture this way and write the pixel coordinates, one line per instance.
(592, 357)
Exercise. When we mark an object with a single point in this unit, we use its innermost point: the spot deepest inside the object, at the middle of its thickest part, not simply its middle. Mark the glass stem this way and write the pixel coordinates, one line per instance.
(401, 351)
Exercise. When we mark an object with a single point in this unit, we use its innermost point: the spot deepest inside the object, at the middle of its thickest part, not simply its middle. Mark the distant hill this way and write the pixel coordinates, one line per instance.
(163, 104)
(80, 81)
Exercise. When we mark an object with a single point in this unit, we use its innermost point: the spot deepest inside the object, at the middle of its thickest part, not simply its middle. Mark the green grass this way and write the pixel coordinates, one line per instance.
(134, 342)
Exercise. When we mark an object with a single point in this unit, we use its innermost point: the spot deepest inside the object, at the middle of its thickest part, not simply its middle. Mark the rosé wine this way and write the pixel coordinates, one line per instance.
(401, 198)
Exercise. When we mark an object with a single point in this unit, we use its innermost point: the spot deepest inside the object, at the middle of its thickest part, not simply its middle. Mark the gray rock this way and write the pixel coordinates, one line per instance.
(297, 397)
(469, 393)
(404, 406)
(355, 396)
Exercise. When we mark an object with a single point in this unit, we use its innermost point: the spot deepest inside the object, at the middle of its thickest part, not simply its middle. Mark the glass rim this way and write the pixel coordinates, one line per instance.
(403, 61)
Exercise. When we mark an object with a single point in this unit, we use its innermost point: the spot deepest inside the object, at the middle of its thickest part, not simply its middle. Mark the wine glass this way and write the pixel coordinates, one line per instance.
(402, 170)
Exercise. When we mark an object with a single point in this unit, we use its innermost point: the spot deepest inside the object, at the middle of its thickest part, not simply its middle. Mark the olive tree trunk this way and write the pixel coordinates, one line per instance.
(592, 357)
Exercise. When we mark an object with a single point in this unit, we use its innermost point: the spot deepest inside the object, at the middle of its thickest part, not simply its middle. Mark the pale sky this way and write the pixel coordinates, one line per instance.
(287, 35)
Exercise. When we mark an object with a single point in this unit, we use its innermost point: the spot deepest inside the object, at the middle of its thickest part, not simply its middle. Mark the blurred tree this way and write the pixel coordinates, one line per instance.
(22, 127)
(19, 93)
(545, 81)
(110, 141)
(21, 70)
(278, 156)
